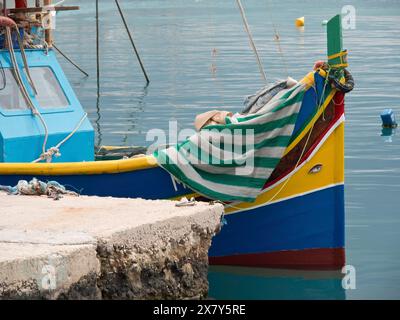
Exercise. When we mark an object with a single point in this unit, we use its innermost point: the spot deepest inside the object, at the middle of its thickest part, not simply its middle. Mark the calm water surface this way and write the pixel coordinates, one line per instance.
(197, 57)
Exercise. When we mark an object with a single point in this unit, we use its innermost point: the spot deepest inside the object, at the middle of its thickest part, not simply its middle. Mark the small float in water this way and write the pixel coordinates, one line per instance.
(388, 119)
(296, 219)
(299, 22)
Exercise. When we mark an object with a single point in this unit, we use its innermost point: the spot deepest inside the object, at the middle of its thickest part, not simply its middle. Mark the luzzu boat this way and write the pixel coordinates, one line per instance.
(297, 221)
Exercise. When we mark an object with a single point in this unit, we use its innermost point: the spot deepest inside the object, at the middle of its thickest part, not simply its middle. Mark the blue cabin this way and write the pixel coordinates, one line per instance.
(22, 133)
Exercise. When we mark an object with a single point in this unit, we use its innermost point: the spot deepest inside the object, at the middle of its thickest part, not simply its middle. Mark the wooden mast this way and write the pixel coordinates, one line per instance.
(5, 8)
(48, 32)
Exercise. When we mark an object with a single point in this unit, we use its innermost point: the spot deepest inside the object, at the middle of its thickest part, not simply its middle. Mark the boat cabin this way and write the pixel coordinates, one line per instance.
(21, 132)
(40, 116)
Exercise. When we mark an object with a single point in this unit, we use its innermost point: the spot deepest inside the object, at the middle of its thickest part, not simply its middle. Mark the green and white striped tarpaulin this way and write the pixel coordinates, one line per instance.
(233, 161)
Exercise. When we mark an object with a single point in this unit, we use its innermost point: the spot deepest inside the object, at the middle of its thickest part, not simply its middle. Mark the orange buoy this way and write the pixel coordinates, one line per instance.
(299, 22)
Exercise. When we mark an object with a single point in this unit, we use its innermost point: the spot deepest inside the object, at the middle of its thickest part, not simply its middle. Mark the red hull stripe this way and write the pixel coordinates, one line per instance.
(338, 99)
(314, 259)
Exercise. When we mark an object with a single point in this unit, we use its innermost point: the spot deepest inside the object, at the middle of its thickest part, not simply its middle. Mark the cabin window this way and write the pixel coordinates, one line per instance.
(50, 95)
(10, 96)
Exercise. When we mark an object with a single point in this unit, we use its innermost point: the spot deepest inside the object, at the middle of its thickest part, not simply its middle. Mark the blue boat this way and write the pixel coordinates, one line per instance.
(297, 221)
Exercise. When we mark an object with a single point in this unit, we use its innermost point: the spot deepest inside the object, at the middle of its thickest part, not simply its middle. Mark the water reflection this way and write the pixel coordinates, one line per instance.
(98, 119)
(138, 105)
(387, 134)
(272, 284)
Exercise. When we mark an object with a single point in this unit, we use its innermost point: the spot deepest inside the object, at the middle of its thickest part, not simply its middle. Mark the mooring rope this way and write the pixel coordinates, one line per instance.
(55, 151)
(21, 85)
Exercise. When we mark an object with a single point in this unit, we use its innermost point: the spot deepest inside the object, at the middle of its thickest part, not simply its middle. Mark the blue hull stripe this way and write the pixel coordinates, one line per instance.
(314, 220)
(152, 183)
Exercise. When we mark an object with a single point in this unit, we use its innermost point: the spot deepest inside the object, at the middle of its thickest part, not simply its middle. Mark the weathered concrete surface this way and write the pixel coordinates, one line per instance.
(104, 248)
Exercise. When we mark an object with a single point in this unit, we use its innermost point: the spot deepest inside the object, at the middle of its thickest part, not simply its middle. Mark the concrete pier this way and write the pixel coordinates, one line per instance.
(104, 248)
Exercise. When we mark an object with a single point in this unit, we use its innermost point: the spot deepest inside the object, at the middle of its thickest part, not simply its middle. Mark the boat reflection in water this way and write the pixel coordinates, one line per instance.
(274, 284)
(387, 134)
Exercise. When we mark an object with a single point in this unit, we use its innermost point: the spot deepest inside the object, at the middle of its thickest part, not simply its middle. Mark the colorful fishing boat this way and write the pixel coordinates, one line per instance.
(297, 219)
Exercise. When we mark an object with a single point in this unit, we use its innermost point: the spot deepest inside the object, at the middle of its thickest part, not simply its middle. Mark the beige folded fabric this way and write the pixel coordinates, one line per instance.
(210, 117)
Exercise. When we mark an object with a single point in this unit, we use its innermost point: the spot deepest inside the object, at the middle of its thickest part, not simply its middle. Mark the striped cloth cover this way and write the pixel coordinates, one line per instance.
(232, 162)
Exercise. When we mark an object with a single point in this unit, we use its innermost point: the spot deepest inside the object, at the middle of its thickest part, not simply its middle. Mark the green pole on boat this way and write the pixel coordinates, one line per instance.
(335, 40)
(337, 57)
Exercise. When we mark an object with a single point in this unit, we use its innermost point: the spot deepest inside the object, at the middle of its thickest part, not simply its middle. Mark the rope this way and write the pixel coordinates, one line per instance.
(278, 41)
(55, 151)
(323, 93)
(35, 187)
(295, 167)
(340, 103)
(28, 74)
(300, 157)
(174, 183)
(253, 46)
(3, 75)
(24, 92)
(288, 179)
(44, 46)
(305, 145)
(277, 38)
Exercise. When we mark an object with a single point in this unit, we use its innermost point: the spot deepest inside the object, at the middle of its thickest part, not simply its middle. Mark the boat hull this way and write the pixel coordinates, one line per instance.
(303, 232)
(296, 222)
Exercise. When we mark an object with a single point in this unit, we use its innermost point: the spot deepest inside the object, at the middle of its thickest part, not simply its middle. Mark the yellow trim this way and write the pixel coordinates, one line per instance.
(322, 73)
(311, 123)
(77, 168)
(308, 79)
(111, 147)
(336, 55)
(330, 155)
(339, 65)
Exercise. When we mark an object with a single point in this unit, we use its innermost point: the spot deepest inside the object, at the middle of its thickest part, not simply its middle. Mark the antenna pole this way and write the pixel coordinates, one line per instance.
(70, 60)
(48, 32)
(252, 44)
(132, 42)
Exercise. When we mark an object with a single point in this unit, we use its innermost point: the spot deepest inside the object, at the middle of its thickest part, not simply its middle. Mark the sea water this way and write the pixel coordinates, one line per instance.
(197, 56)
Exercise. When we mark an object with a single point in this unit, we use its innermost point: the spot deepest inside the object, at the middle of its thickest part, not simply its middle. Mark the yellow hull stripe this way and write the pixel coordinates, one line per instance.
(330, 155)
(78, 168)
